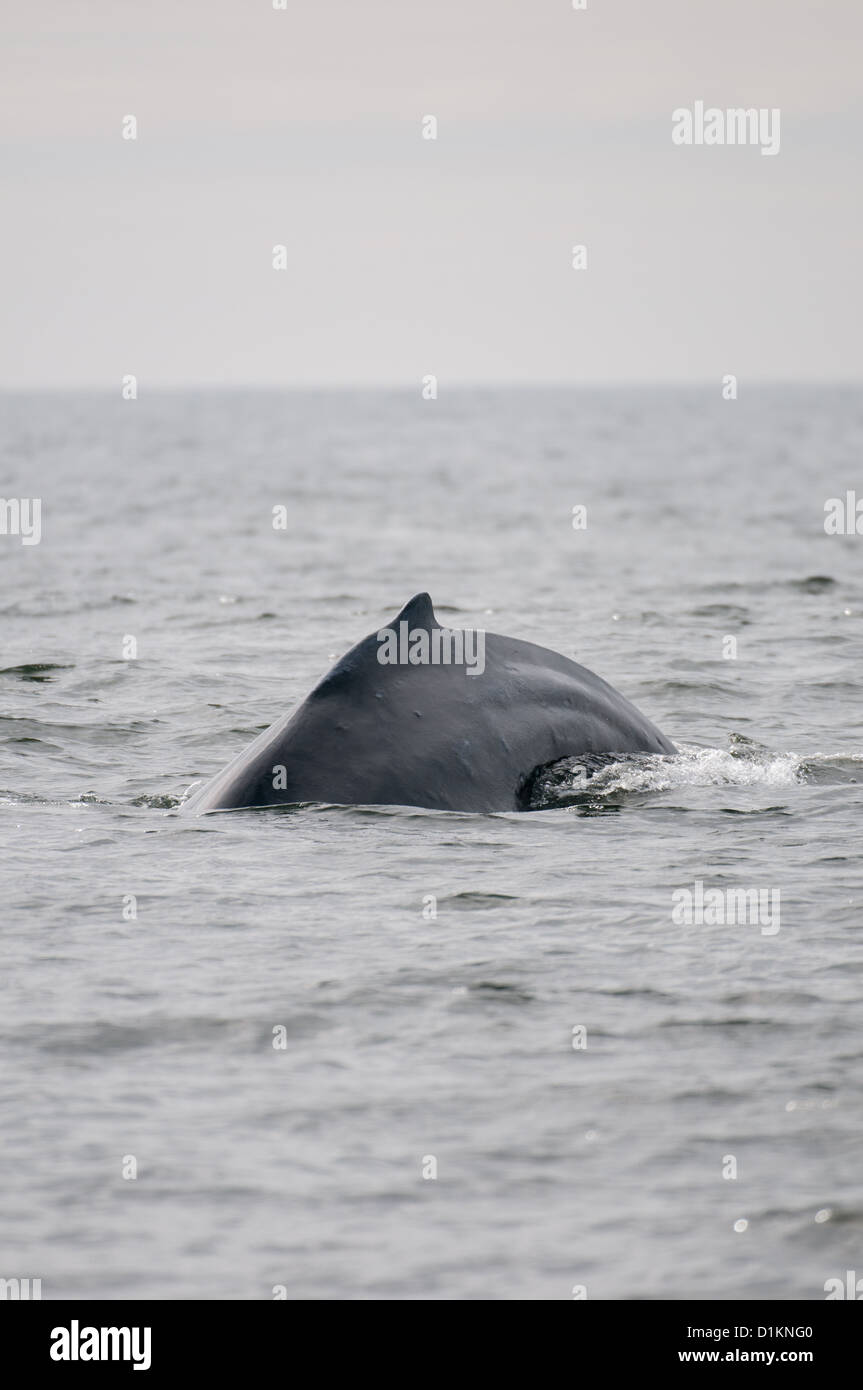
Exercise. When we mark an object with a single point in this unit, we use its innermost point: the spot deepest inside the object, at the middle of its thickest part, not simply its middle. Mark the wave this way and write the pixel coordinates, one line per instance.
(577, 781)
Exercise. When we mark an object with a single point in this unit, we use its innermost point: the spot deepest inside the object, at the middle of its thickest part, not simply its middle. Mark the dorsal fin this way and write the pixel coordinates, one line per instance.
(418, 612)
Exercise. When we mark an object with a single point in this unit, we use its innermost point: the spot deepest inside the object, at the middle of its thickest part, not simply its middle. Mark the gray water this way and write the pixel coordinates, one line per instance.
(412, 1037)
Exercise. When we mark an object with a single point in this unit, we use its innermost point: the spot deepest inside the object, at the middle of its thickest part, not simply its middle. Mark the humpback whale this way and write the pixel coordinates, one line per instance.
(418, 715)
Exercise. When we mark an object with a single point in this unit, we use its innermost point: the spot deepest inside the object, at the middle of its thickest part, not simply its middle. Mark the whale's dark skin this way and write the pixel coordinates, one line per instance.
(432, 735)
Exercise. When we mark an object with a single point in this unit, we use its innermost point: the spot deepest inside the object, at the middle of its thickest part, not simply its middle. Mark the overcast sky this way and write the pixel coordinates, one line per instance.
(407, 256)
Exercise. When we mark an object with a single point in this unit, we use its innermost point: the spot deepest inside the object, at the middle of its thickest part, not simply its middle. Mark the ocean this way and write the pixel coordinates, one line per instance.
(390, 1053)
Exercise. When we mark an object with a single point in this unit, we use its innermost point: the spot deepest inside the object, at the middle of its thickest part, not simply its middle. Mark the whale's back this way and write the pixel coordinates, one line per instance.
(447, 736)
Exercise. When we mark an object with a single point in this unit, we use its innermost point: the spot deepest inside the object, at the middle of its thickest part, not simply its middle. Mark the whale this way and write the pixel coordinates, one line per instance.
(419, 714)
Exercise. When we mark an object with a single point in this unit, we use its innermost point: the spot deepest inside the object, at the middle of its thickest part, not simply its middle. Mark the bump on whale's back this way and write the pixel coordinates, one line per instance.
(355, 665)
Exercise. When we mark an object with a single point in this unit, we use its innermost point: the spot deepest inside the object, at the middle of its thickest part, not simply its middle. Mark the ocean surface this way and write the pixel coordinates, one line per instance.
(336, 1045)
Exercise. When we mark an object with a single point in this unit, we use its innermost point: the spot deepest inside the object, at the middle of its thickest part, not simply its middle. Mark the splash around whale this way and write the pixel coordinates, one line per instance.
(418, 714)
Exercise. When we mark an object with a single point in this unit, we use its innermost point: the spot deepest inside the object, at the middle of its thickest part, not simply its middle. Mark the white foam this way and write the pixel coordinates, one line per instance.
(692, 767)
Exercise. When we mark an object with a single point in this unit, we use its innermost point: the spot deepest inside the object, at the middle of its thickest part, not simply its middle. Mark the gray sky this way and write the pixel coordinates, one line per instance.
(409, 256)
